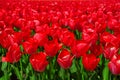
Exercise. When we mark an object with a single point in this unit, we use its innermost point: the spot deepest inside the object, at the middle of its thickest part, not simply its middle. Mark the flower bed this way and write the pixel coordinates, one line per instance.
(60, 40)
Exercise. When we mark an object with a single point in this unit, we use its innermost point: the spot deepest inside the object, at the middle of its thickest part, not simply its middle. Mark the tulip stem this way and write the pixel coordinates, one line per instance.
(68, 75)
(50, 68)
(21, 67)
(78, 69)
(41, 76)
(115, 77)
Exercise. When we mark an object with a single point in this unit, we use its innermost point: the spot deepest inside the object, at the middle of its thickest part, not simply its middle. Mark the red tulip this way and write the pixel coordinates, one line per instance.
(100, 26)
(65, 59)
(30, 25)
(109, 38)
(41, 38)
(113, 24)
(109, 51)
(96, 49)
(2, 25)
(17, 38)
(4, 39)
(67, 37)
(114, 64)
(90, 62)
(25, 34)
(13, 54)
(55, 30)
(38, 61)
(52, 47)
(20, 23)
(80, 48)
(44, 28)
(72, 24)
(89, 35)
(8, 39)
(30, 46)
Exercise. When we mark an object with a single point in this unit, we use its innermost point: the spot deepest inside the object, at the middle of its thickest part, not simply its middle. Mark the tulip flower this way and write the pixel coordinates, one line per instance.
(9, 39)
(96, 49)
(67, 37)
(38, 61)
(89, 35)
(65, 59)
(55, 30)
(90, 62)
(52, 47)
(79, 48)
(30, 46)
(13, 55)
(41, 38)
(113, 24)
(114, 64)
(109, 51)
(109, 38)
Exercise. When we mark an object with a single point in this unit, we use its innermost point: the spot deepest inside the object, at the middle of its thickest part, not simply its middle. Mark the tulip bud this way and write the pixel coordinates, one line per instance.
(65, 59)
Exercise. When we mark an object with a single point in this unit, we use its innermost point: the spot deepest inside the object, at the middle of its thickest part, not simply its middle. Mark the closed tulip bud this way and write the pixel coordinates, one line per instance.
(65, 59)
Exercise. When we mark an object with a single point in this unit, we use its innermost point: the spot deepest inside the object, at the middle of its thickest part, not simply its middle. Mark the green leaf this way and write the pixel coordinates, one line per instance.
(105, 72)
(16, 29)
(73, 67)
(101, 60)
(27, 69)
(62, 73)
(2, 78)
(32, 32)
(21, 48)
(17, 72)
(4, 66)
(78, 34)
(32, 77)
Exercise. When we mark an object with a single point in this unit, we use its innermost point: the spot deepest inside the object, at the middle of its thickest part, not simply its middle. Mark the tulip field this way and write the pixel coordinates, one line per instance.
(60, 40)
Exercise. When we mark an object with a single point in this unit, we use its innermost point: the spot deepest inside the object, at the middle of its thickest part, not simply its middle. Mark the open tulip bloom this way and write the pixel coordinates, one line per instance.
(60, 40)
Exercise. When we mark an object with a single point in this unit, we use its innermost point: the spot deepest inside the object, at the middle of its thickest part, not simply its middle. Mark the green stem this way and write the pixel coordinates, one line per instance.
(40, 76)
(78, 69)
(50, 69)
(21, 70)
(68, 75)
(115, 77)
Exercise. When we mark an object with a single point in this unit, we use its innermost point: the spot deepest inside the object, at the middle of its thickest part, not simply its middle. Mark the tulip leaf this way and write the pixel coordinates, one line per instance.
(21, 48)
(78, 34)
(32, 77)
(62, 73)
(105, 72)
(32, 32)
(109, 30)
(4, 66)
(16, 29)
(4, 69)
(17, 72)
(73, 67)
